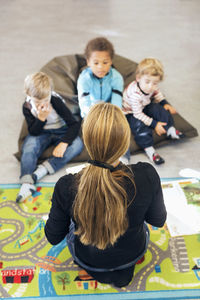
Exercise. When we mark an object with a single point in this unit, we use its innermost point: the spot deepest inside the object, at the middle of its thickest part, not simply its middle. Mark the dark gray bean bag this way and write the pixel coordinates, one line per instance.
(64, 70)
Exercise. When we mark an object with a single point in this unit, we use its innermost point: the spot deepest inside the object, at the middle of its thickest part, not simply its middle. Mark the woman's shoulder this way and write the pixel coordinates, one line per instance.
(141, 166)
(66, 181)
(65, 185)
(65, 191)
(146, 178)
(143, 170)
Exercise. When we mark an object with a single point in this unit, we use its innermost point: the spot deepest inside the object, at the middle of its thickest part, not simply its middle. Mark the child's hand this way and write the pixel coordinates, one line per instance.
(43, 111)
(170, 108)
(60, 149)
(160, 128)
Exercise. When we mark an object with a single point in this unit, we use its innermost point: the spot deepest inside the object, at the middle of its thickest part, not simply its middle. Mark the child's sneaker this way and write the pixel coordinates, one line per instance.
(157, 159)
(153, 156)
(174, 134)
(26, 190)
(180, 134)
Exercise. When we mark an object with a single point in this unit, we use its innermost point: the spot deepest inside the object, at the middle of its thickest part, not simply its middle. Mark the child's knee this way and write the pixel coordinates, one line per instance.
(30, 145)
(144, 139)
(77, 144)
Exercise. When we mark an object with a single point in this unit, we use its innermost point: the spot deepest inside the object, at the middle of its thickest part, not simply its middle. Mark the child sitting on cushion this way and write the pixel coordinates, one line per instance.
(99, 81)
(49, 122)
(146, 108)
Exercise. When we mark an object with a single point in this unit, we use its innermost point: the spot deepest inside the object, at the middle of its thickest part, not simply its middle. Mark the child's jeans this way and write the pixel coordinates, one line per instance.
(34, 146)
(143, 133)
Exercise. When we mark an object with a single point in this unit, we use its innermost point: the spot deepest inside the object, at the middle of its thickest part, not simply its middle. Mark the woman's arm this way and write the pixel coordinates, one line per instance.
(156, 214)
(57, 225)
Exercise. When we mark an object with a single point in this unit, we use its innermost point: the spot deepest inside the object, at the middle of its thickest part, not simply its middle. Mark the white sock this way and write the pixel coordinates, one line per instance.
(172, 132)
(150, 152)
(25, 191)
(40, 172)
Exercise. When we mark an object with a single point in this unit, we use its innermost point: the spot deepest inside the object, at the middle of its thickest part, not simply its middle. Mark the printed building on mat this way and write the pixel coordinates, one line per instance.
(85, 282)
(22, 274)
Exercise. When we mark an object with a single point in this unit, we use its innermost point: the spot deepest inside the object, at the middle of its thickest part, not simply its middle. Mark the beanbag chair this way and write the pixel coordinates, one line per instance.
(64, 70)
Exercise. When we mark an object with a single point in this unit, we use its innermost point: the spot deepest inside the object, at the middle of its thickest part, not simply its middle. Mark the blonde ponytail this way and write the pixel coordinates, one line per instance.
(100, 207)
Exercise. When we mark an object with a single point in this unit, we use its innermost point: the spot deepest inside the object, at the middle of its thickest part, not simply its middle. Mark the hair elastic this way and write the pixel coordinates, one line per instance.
(100, 164)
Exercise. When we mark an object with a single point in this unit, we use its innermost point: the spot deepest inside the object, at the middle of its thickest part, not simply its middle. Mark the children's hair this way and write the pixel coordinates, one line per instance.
(38, 85)
(99, 44)
(150, 66)
(100, 206)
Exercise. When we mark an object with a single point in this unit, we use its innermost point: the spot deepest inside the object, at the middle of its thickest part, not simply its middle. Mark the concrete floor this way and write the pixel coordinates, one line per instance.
(33, 32)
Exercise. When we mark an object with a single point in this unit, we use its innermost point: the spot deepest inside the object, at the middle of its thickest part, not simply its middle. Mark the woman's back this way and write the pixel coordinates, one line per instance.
(147, 202)
(107, 201)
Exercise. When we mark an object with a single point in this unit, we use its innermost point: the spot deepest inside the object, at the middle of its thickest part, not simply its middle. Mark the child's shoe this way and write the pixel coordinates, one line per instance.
(157, 159)
(153, 156)
(26, 190)
(174, 134)
(180, 134)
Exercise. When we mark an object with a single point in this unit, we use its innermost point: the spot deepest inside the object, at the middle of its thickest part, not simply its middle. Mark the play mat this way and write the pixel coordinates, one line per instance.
(31, 267)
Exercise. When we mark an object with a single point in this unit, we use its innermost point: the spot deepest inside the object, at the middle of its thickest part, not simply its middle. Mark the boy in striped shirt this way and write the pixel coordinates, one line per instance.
(146, 108)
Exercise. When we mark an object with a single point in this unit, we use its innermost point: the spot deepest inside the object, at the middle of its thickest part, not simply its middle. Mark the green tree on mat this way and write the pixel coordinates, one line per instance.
(30, 221)
(63, 279)
(48, 196)
(38, 236)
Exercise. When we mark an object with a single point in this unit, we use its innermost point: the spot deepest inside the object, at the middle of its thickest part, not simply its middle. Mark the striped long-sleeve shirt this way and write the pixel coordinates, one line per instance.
(134, 101)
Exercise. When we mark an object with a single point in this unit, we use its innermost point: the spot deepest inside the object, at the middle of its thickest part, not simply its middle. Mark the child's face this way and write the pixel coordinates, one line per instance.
(41, 103)
(100, 63)
(148, 83)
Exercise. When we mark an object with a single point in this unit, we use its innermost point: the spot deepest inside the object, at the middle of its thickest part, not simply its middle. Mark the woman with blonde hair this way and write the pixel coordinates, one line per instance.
(104, 208)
